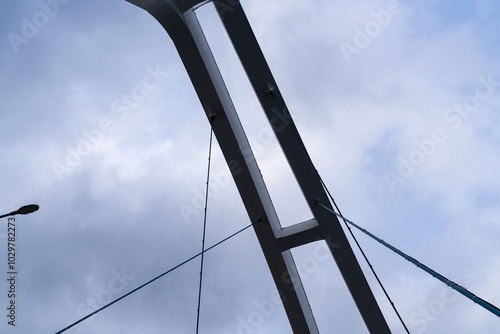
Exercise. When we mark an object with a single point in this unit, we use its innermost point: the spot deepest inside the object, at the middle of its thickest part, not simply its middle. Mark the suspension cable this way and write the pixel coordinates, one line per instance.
(271, 92)
(157, 277)
(204, 224)
(490, 307)
(366, 259)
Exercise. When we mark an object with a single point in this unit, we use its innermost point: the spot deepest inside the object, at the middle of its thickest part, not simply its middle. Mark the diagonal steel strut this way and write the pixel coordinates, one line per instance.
(179, 20)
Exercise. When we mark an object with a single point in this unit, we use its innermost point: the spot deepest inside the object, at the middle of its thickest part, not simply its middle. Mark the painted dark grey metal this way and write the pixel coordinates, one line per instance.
(179, 20)
(183, 28)
(262, 80)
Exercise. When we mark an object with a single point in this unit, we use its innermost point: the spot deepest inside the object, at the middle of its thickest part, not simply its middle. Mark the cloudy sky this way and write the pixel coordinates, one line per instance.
(397, 103)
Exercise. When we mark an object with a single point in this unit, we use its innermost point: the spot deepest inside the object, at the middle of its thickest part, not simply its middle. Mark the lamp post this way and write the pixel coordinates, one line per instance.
(24, 210)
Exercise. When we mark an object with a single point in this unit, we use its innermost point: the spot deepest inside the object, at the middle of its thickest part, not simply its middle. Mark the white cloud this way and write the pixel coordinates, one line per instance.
(120, 206)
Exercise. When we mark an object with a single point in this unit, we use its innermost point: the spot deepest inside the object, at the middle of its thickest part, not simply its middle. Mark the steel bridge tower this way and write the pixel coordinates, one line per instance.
(179, 20)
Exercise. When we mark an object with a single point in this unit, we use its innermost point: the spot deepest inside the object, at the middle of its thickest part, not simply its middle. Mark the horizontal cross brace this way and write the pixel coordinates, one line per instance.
(299, 234)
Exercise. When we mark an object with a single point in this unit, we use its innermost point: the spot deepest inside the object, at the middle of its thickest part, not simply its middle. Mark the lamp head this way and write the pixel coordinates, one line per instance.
(24, 210)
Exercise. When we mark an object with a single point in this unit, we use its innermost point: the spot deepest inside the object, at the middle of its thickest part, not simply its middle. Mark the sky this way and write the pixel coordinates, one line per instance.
(397, 103)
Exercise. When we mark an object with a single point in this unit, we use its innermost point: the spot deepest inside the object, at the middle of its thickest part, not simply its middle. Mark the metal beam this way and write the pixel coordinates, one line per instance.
(262, 80)
(179, 20)
(184, 30)
(299, 234)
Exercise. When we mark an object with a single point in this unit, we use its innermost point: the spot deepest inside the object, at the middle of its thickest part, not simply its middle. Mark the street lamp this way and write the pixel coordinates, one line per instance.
(24, 210)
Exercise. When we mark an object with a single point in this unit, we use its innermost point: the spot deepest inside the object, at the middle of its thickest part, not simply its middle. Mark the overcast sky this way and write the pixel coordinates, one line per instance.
(397, 103)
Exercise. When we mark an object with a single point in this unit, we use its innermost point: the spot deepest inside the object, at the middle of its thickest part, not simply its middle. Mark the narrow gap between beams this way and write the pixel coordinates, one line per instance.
(285, 193)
